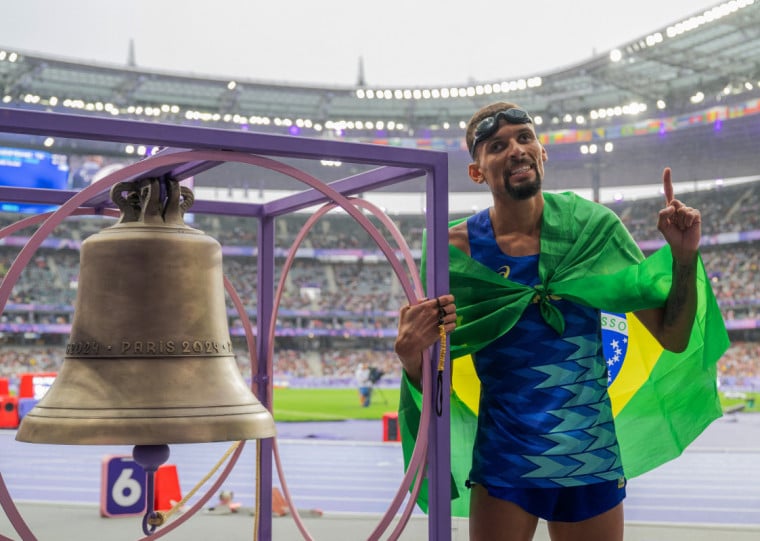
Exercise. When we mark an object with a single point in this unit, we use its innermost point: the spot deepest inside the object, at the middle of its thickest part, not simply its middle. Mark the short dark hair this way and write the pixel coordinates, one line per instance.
(480, 114)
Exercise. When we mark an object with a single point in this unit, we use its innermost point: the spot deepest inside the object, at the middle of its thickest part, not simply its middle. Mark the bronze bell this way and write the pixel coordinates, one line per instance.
(149, 360)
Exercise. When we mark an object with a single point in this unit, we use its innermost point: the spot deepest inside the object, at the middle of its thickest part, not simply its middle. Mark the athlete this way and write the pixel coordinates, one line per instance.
(545, 445)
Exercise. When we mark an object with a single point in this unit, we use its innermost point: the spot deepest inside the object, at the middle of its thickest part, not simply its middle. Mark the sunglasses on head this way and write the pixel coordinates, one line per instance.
(489, 125)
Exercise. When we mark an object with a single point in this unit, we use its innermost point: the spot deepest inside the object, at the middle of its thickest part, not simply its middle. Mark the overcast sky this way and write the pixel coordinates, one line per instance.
(402, 42)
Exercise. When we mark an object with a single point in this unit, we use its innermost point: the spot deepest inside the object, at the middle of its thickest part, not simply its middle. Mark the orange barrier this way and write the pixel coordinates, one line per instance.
(390, 427)
(280, 507)
(167, 489)
(9, 412)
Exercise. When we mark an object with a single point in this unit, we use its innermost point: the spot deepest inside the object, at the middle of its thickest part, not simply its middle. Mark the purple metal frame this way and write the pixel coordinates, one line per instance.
(394, 165)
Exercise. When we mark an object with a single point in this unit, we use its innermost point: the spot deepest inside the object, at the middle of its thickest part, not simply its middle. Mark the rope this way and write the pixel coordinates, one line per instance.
(161, 517)
(441, 364)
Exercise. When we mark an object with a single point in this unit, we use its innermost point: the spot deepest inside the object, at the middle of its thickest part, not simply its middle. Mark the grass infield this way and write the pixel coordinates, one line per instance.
(342, 404)
(331, 404)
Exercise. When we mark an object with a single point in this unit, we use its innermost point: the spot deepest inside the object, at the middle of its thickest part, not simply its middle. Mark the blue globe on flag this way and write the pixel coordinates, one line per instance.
(614, 342)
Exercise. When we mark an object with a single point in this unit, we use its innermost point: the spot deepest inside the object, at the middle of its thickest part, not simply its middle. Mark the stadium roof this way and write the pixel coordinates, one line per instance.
(682, 78)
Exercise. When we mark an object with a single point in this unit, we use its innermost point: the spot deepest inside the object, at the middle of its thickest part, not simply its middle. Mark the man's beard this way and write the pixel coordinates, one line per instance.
(524, 190)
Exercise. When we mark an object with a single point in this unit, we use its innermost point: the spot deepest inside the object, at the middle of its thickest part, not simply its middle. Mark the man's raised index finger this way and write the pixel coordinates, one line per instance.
(667, 185)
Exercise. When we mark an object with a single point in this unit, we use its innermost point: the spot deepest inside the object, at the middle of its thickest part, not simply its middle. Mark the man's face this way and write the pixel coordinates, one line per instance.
(511, 162)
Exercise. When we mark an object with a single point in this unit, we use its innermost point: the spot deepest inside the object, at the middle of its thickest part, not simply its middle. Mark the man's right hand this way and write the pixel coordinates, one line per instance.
(418, 329)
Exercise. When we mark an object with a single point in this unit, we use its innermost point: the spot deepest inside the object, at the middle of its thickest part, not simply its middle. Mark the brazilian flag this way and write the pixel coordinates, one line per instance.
(661, 400)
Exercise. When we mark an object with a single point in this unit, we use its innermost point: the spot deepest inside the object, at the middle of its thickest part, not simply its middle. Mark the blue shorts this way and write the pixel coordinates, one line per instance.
(567, 504)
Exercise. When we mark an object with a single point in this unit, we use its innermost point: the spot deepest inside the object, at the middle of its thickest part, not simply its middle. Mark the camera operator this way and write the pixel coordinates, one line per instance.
(364, 381)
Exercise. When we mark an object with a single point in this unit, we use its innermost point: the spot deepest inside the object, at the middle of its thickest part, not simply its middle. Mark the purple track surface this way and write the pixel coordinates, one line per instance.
(345, 467)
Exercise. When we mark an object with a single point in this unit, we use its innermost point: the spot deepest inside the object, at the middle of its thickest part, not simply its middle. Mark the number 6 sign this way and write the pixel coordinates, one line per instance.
(122, 487)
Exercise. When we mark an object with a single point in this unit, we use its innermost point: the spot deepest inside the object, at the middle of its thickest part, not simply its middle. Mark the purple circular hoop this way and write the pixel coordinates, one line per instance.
(74, 206)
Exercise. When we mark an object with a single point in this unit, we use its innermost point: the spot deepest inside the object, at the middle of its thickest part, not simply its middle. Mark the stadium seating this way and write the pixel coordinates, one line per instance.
(337, 311)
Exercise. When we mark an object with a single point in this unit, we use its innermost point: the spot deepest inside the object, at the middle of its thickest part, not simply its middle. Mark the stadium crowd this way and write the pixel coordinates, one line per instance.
(353, 292)
(738, 369)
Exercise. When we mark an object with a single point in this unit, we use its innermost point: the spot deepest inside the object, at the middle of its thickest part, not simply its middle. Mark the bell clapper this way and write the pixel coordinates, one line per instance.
(150, 457)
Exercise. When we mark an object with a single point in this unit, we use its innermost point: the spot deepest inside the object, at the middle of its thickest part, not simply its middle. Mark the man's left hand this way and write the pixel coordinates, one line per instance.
(679, 224)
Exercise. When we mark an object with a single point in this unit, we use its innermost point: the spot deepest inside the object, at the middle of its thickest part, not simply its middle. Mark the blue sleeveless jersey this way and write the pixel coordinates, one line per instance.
(545, 418)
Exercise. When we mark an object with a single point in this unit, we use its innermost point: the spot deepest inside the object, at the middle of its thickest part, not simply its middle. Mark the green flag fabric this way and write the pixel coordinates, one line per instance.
(587, 256)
